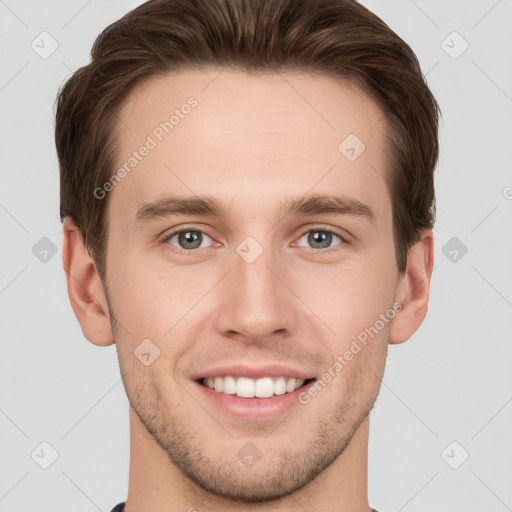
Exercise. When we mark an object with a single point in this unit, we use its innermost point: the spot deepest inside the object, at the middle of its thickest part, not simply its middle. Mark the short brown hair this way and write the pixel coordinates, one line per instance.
(339, 38)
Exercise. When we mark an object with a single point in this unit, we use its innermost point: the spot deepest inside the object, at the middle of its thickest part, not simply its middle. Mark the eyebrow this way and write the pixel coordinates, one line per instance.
(317, 204)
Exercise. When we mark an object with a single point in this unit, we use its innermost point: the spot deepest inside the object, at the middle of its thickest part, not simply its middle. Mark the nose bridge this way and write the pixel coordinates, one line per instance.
(255, 304)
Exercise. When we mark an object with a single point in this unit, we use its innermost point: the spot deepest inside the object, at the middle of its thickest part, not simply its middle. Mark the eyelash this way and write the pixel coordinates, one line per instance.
(329, 250)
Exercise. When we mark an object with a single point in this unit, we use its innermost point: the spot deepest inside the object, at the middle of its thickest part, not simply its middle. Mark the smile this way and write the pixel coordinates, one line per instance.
(245, 387)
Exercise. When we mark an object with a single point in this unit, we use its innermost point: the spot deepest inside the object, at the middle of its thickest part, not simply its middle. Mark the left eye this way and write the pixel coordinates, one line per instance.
(189, 239)
(320, 238)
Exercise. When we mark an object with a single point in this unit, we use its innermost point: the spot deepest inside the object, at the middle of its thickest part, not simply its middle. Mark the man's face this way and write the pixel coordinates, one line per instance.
(296, 293)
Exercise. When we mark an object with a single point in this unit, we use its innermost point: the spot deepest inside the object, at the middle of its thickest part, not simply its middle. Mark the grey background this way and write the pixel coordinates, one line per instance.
(452, 382)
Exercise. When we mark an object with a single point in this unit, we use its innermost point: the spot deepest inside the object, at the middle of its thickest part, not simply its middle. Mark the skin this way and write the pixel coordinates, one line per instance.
(252, 141)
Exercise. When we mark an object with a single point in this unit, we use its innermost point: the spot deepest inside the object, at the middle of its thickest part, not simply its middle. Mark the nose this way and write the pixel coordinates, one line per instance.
(257, 302)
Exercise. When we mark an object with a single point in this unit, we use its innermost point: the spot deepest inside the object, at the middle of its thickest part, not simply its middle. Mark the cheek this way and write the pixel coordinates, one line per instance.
(348, 298)
(157, 302)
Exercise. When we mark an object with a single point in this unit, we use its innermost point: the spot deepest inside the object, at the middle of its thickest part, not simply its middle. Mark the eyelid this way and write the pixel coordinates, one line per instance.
(342, 234)
(164, 239)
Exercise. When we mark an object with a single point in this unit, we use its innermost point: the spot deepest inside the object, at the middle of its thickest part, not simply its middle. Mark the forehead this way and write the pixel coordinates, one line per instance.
(230, 100)
(232, 134)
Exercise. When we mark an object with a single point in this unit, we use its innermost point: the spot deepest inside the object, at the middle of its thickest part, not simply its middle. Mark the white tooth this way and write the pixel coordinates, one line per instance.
(280, 386)
(229, 386)
(249, 388)
(218, 383)
(245, 387)
(290, 385)
(264, 387)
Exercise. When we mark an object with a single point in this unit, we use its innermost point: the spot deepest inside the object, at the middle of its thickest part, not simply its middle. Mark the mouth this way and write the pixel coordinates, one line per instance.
(257, 398)
(252, 393)
(245, 387)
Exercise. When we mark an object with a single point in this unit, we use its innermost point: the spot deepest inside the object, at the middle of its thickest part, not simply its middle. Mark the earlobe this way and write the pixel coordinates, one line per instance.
(413, 289)
(85, 290)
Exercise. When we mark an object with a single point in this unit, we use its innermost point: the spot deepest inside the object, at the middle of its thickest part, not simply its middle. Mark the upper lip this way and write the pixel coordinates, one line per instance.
(253, 372)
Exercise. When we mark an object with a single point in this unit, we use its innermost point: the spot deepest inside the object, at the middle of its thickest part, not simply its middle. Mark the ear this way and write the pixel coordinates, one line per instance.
(84, 288)
(413, 289)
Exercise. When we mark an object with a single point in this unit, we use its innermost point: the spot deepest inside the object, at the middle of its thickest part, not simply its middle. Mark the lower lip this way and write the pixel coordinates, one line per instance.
(253, 408)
